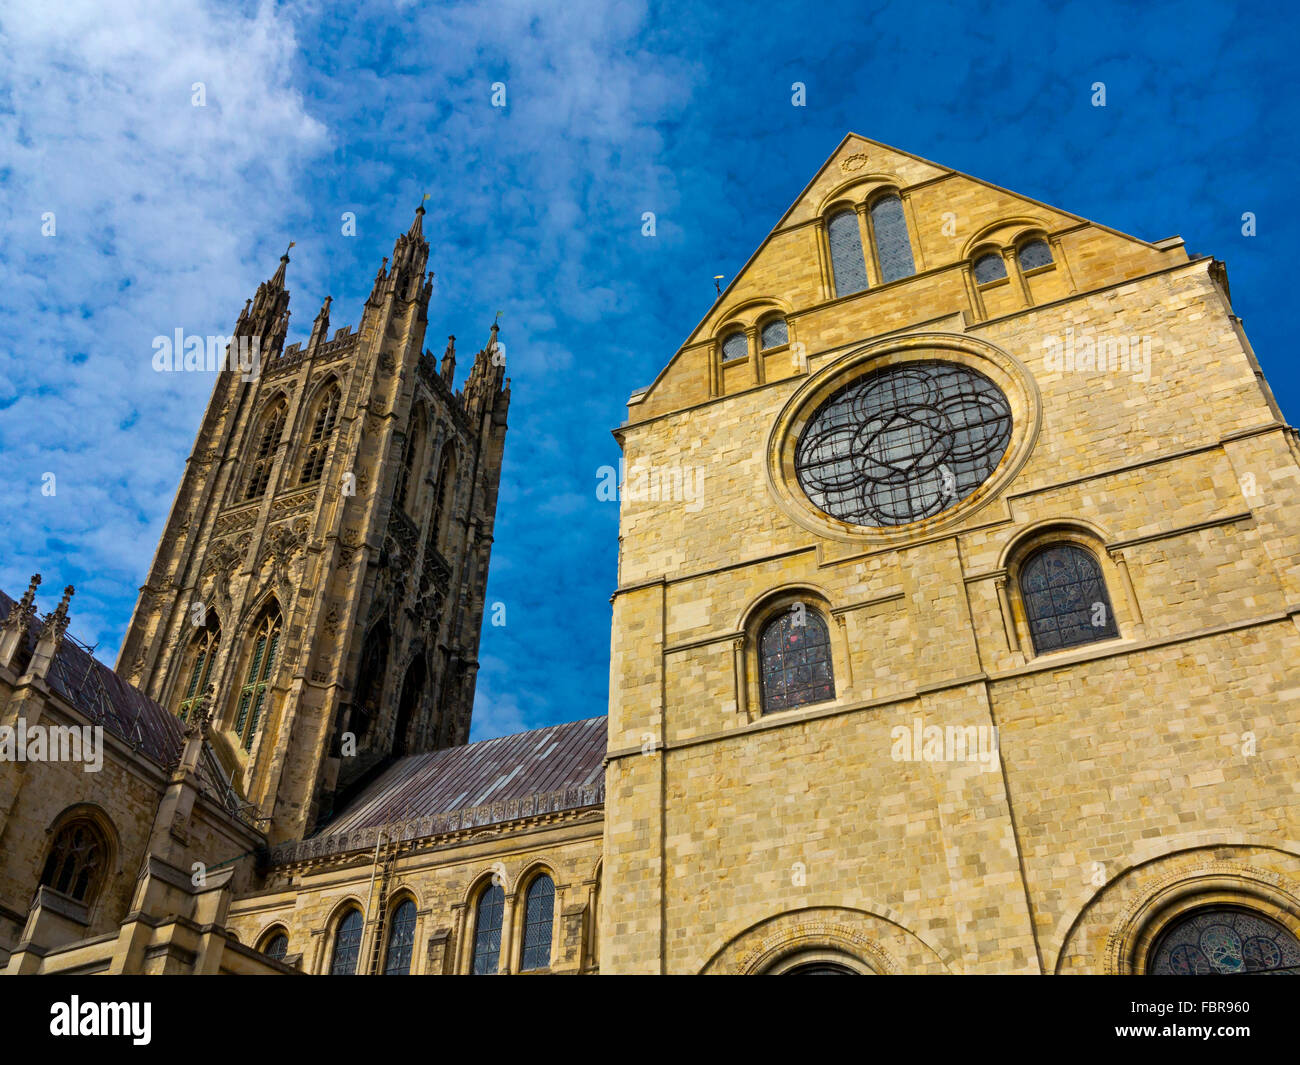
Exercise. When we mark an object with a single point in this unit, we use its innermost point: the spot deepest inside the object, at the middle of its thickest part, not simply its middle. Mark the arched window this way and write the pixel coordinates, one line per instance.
(774, 334)
(276, 945)
(203, 650)
(408, 702)
(401, 940)
(1034, 254)
(847, 262)
(265, 441)
(369, 691)
(1225, 941)
(795, 660)
(77, 860)
(487, 930)
(347, 944)
(442, 498)
(409, 472)
(734, 346)
(539, 914)
(263, 644)
(318, 441)
(1065, 598)
(889, 231)
(989, 267)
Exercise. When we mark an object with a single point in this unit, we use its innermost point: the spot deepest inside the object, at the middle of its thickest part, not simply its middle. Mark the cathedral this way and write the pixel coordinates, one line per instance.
(954, 631)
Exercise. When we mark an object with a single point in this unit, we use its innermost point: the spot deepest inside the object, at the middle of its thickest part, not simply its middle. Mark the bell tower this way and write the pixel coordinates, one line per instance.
(324, 563)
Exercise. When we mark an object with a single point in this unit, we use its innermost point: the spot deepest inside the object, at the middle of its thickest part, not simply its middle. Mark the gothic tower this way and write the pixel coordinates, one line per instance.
(324, 563)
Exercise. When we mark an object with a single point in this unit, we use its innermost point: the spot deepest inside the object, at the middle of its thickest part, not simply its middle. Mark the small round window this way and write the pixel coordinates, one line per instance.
(903, 443)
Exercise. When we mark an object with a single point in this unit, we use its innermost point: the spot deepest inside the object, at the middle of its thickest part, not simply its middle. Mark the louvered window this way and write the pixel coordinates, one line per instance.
(204, 652)
(259, 474)
(889, 229)
(261, 663)
(847, 262)
(318, 443)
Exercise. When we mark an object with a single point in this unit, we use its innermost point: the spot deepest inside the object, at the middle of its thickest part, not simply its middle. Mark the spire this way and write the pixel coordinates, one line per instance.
(321, 325)
(13, 630)
(449, 361)
(416, 232)
(277, 282)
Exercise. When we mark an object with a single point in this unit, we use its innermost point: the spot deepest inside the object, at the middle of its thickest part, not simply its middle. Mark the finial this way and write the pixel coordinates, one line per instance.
(285, 257)
(21, 615)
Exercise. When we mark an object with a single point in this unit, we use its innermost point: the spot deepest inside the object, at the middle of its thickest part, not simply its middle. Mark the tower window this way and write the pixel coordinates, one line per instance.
(735, 346)
(368, 694)
(989, 267)
(774, 334)
(318, 442)
(889, 231)
(1034, 254)
(442, 497)
(202, 653)
(795, 660)
(259, 474)
(539, 915)
(487, 930)
(347, 944)
(401, 940)
(407, 473)
(847, 262)
(76, 863)
(261, 663)
(1065, 598)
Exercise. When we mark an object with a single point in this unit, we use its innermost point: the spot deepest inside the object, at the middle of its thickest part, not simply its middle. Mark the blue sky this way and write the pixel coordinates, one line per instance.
(168, 216)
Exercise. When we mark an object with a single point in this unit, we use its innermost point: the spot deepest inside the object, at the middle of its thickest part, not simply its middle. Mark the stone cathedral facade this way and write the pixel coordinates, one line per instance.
(954, 631)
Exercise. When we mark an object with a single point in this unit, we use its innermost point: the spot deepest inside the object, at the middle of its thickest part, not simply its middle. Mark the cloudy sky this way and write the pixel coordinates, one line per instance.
(166, 215)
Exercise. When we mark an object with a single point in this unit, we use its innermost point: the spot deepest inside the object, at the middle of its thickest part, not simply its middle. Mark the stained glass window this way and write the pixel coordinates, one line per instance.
(347, 945)
(1223, 941)
(990, 267)
(893, 249)
(849, 266)
(318, 442)
(903, 443)
(1065, 598)
(774, 334)
(820, 968)
(1034, 254)
(261, 662)
(539, 913)
(401, 940)
(277, 946)
(487, 931)
(736, 346)
(76, 861)
(795, 660)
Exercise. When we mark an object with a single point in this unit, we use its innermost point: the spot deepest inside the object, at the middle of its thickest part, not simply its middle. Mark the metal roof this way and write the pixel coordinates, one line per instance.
(106, 699)
(548, 769)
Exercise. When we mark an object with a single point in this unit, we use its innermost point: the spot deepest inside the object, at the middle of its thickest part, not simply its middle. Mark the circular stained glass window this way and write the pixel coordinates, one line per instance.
(903, 443)
(1216, 941)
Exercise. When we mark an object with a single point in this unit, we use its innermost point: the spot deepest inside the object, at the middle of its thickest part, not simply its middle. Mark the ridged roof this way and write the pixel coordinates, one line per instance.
(106, 699)
(548, 769)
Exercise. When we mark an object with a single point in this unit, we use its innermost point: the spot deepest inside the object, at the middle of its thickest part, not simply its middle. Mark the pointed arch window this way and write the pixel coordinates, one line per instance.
(989, 267)
(487, 930)
(847, 261)
(889, 231)
(407, 473)
(264, 643)
(203, 651)
(265, 441)
(1034, 254)
(347, 944)
(276, 946)
(77, 862)
(368, 695)
(401, 940)
(1065, 598)
(539, 916)
(322, 432)
(795, 660)
(774, 334)
(442, 499)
